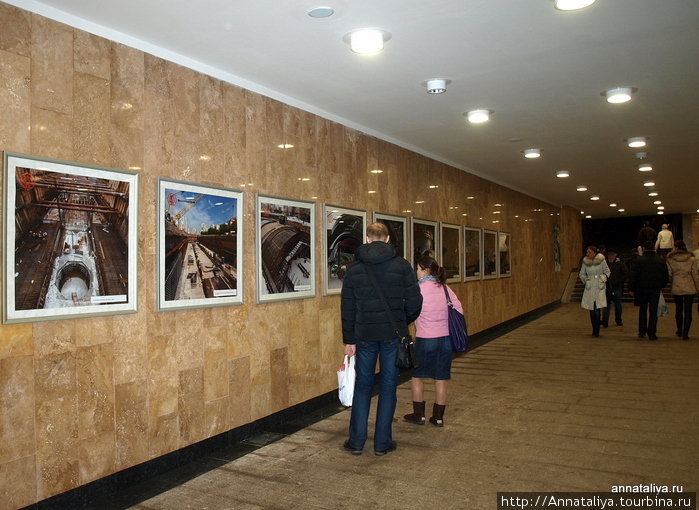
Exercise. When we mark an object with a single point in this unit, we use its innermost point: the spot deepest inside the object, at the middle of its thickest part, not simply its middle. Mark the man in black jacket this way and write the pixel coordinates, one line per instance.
(367, 331)
(615, 287)
(647, 278)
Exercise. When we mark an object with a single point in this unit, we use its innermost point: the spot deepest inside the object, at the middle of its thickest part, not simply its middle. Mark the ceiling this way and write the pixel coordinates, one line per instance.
(541, 70)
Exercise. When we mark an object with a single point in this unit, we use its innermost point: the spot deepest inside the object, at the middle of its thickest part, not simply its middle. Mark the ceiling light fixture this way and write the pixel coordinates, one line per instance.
(645, 167)
(640, 155)
(321, 12)
(636, 141)
(661, 208)
(532, 153)
(612, 204)
(653, 194)
(657, 202)
(588, 216)
(618, 95)
(367, 40)
(648, 184)
(582, 187)
(376, 171)
(478, 116)
(285, 146)
(594, 197)
(436, 85)
(572, 5)
(621, 210)
(563, 173)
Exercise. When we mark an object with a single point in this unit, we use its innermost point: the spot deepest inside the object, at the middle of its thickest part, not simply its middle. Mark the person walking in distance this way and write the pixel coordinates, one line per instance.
(665, 243)
(615, 287)
(433, 345)
(682, 268)
(647, 277)
(368, 333)
(594, 273)
(645, 235)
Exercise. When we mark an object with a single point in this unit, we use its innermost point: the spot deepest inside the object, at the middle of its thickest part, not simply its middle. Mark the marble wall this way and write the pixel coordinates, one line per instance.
(82, 399)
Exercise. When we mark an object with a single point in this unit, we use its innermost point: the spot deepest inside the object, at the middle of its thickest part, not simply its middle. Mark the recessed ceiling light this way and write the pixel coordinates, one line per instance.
(371, 191)
(470, 198)
(436, 85)
(661, 207)
(376, 171)
(657, 202)
(588, 216)
(653, 194)
(636, 141)
(594, 197)
(612, 204)
(622, 210)
(367, 40)
(478, 116)
(321, 12)
(285, 146)
(582, 187)
(563, 173)
(648, 184)
(497, 205)
(618, 95)
(531, 153)
(434, 186)
(645, 167)
(572, 5)
(419, 201)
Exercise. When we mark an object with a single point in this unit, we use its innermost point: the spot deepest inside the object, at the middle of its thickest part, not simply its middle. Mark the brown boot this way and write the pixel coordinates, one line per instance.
(418, 415)
(437, 418)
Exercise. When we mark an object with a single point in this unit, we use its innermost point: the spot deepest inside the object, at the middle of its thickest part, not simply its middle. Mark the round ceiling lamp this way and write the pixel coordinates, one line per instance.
(653, 194)
(645, 167)
(562, 174)
(594, 197)
(532, 153)
(478, 116)
(321, 12)
(572, 5)
(367, 41)
(618, 95)
(636, 141)
(648, 184)
(582, 187)
(436, 85)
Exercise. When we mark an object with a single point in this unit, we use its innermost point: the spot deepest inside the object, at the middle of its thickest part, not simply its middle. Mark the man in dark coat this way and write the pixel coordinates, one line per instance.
(367, 331)
(647, 277)
(646, 234)
(615, 287)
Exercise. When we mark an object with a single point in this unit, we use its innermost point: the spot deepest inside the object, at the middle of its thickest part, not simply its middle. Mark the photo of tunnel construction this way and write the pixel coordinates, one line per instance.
(71, 236)
(285, 247)
(200, 244)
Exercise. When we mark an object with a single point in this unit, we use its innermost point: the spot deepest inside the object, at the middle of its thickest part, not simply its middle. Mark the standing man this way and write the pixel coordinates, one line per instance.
(647, 277)
(367, 331)
(615, 287)
(646, 234)
(665, 242)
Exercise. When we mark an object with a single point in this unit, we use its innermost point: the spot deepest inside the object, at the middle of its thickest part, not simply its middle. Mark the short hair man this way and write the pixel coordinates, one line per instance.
(367, 331)
(615, 287)
(647, 277)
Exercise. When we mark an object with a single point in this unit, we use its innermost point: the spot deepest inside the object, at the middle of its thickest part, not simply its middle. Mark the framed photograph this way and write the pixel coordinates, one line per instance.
(504, 259)
(450, 236)
(397, 231)
(490, 254)
(200, 245)
(344, 231)
(70, 240)
(284, 248)
(424, 240)
(473, 254)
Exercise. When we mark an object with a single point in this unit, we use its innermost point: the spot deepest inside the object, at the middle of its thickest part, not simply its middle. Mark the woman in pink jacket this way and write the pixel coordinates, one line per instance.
(433, 346)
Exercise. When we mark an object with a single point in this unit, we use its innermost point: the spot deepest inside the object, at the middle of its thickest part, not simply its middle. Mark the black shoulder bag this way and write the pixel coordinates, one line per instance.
(406, 349)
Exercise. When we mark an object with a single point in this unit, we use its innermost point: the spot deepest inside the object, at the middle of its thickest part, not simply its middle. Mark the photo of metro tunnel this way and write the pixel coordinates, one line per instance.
(285, 248)
(71, 240)
(345, 231)
(200, 234)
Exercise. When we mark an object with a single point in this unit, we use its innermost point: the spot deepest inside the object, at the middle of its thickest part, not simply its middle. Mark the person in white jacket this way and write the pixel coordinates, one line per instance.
(665, 242)
(594, 273)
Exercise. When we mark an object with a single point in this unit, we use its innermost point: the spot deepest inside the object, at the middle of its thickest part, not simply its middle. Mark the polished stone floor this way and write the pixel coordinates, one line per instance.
(545, 407)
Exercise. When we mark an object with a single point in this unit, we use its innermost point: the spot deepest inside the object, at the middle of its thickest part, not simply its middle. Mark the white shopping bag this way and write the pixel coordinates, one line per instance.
(662, 307)
(345, 381)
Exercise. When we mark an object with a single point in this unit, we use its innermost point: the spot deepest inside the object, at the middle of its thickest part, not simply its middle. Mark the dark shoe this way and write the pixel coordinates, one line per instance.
(390, 449)
(678, 333)
(641, 335)
(604, 325)
(418, 415)
(619, 323)
(596, 335)
(352, 449)
(437, 418)
(652, 337)
(685, 337)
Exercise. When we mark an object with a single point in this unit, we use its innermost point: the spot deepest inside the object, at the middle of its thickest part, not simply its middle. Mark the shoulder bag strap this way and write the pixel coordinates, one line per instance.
(446, 293)
(370, 272)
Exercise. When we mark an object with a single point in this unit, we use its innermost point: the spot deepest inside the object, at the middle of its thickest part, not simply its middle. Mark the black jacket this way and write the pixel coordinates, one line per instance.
(648, 272)
(363, 314)
(618, 275)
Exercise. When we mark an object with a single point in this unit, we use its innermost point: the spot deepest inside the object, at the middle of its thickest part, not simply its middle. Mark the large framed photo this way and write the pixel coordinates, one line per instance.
(344, 231)
(200, 245)
(504, 259)
(450, 236)
(473, 254)
(424, 240)
(70, 239)
(285, 248)
(490, 254)
(397, 231)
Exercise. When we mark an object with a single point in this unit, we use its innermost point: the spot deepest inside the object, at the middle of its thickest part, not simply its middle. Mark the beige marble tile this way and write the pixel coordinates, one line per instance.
(163, 434)
(92, 55)
(279, 365)
(216, 416)
(215, 367)
(130, 350)
(51, 134)
(239, 392)
(96, 456)
(131, 418)
(191, 406)
(16, 408)
(15, 30)
(18, 482)
(52, 65)
(55, 376)
(91, 115)
(15, 100)
(95, 379)
(16, 340)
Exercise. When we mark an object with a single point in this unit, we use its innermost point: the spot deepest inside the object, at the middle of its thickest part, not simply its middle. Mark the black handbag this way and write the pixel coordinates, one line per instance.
(457, 326)
(406, 348)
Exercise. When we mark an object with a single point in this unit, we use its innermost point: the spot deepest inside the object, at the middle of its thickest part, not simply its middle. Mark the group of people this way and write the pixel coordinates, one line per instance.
(604, 278)
(377, 284)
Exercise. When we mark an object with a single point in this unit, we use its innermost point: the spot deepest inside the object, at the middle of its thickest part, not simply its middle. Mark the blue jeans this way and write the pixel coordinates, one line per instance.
(365, 365)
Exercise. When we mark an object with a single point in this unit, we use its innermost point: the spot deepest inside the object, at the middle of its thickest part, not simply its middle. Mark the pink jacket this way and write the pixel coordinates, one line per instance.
(433, 322)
